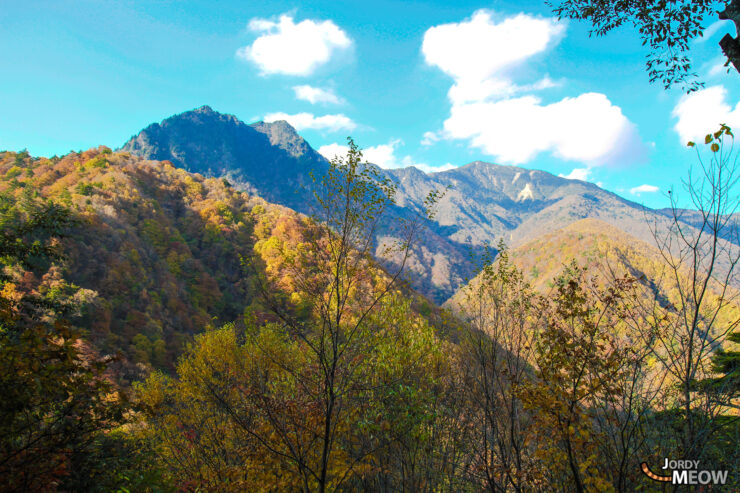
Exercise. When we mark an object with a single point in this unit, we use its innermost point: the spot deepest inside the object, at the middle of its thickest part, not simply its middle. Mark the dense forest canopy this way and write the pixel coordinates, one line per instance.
(218, 306)
(162, 331)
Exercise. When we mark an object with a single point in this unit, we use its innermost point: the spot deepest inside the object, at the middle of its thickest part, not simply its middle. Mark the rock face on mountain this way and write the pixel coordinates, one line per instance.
(486, 202)
(483, 203)
(268, 159)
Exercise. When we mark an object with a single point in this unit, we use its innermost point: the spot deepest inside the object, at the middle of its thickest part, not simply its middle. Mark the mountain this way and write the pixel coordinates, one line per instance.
(486, 202)
(606, 251)
(272, 161)
(156, 250)
(268, 159)
(483, 203)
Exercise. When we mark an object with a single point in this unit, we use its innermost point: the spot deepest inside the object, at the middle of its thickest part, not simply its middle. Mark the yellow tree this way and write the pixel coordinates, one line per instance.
(312, 373)
(578, 364)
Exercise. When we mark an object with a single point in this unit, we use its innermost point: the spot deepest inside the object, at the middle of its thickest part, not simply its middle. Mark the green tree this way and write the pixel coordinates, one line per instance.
(55, 401)
(239, 416)
(336, 281)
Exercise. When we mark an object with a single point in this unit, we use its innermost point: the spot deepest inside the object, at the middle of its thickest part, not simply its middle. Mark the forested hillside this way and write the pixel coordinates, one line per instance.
(157, 248)
(140, 257)
(159, 251)
(607, 253)
(163, 331)
(482, 204)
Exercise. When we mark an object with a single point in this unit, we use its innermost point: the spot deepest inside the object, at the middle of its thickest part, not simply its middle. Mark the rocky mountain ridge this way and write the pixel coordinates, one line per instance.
(483, 202)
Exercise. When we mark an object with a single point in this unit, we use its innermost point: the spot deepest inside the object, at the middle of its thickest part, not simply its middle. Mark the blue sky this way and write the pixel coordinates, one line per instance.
(433, 84)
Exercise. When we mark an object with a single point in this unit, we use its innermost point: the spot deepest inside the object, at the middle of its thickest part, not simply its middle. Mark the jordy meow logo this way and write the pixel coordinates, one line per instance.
(685, 472)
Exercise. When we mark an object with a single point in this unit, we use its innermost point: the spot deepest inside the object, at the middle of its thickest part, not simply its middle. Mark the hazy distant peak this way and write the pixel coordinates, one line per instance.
(408, 172)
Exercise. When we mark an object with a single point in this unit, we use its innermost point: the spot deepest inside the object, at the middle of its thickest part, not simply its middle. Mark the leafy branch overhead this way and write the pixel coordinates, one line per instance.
(666, 27)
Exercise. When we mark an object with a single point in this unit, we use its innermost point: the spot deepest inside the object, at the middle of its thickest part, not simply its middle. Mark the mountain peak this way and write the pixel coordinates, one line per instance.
(281, 125)
(202, 115)
(266, 158)
(284, 136)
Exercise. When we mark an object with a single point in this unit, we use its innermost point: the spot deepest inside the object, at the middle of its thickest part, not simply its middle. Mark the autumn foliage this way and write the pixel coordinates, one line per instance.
(162, 331)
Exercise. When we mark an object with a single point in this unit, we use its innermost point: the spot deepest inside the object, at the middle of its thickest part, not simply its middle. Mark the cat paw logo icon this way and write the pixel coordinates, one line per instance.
(652, 475)
(685, 472)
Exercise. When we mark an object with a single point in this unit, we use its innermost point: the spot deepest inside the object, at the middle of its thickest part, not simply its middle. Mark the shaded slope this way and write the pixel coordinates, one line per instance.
(267, 159)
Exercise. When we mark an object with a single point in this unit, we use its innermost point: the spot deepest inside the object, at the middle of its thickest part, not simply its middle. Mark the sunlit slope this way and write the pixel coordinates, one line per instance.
(158, 249)
(607, 251)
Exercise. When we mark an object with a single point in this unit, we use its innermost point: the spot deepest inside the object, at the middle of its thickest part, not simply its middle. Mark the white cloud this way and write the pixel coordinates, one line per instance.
(701, 112)
(303, 121)
(718, 68)
(711, 30)
(503, 118)
(429, 138)
(330, 151)
(577, 174)
(478, 53)
(435, 169)
(383, 155)
(469, 90)
(316, 95)
(285, 47)
(644, 189)
(588, 128)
